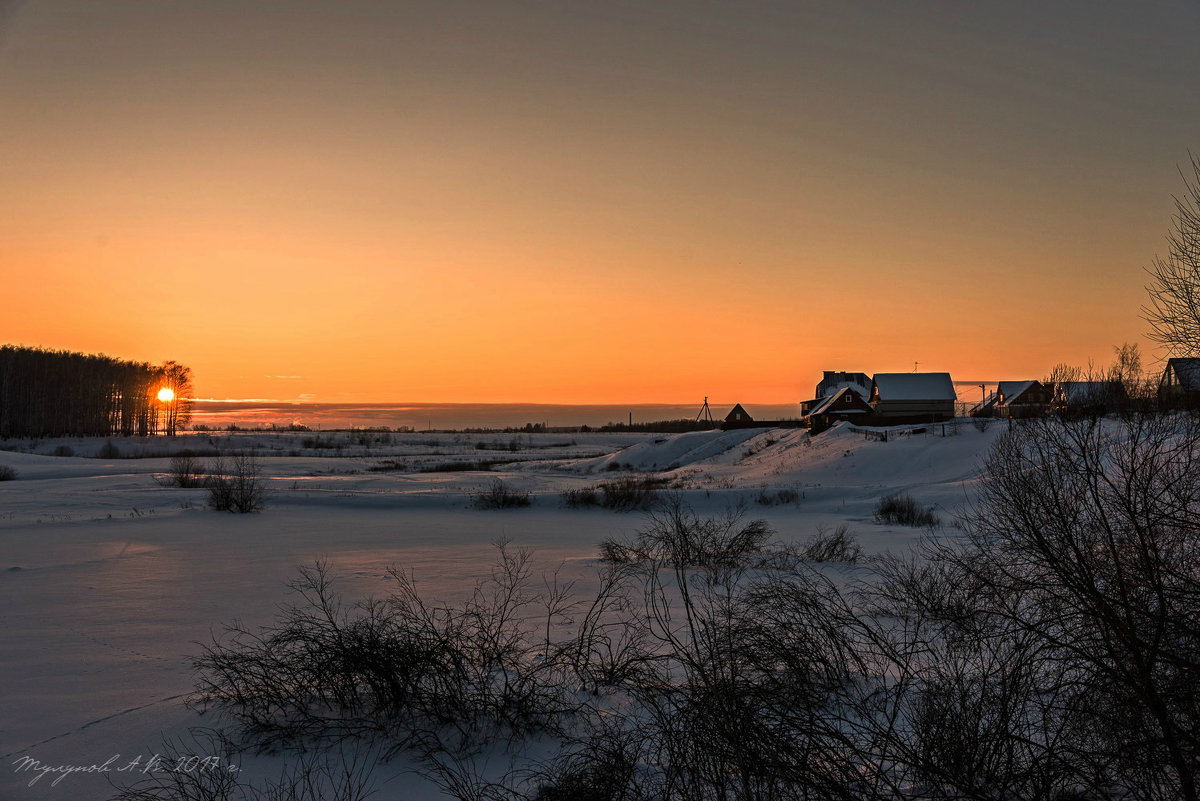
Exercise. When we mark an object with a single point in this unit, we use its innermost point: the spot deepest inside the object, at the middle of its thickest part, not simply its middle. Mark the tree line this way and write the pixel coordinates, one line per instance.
(47, 393)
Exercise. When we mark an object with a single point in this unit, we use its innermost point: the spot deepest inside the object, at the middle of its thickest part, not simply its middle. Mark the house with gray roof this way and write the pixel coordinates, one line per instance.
(1074, 398)
(1179, 387)
(1022, 399)
(913, 397)
(832, 382)
(844, 404)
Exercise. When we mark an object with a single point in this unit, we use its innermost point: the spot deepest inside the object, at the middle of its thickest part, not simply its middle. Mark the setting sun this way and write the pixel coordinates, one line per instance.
(166, 394)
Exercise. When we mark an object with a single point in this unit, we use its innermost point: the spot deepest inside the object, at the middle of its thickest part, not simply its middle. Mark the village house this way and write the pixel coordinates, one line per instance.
(1074, 398)
(1019, 399)
(831, 383)
(913, 397)
(844, 404)
(738, 417)
(1179, 387)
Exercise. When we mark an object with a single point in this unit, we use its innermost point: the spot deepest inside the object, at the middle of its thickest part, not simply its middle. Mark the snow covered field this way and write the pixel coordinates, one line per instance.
(109, 580)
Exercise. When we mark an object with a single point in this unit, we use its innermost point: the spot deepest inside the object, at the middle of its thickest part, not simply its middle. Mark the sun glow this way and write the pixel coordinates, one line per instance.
(166, 394)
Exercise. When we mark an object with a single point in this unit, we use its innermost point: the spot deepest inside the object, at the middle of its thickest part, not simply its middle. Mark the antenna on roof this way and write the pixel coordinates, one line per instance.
(705, 412)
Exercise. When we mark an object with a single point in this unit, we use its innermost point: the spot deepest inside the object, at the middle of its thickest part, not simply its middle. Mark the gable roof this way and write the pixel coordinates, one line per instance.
(833, 380)
(915, 387)
(1012, 390)
(829, 403)
(863, 391)
(734, 413)
(1187, 371)
(1083, 392)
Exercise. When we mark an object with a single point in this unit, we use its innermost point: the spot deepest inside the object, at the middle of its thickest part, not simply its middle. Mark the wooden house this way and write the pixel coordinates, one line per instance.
(913, 397)
(832, 382)
(1022, 399)
(1179, 387)
(1074, 398)
(844, 404)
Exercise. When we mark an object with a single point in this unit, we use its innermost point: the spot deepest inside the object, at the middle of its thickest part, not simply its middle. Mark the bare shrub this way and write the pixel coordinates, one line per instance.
(389, 466)
(780, 497)
(499, 495)
(617, 552)
(836, 546)
(903, 510)
(109, 451)
(580, 498)
(463, 467)
(64, 450)
(706, 681)
(625, 494)
(438, 679)
(186, 471)
(676, 535)
(7, 473)
(733, 692)
(322, 443)
(236, 484)
(630, 493)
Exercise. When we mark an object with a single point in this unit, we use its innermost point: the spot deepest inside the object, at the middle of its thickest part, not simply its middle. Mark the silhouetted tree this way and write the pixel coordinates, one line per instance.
(1174, 308)
(177, 378)
(59, 393)
(1057, 652)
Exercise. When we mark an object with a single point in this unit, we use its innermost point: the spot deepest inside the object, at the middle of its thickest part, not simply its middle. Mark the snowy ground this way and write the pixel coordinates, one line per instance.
(108, 580)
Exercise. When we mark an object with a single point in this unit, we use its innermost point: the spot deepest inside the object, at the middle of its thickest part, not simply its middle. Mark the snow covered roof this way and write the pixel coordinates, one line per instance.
(1090, 391)
(1188, 372)
(833, 380)
(915, 386)
(738, 414)
(836, 389)
(1011, 390)
(827, 403)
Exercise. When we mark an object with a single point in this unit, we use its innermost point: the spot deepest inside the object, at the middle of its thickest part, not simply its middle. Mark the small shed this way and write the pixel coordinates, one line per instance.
(1179, 387)
(913, 397)
(738, 417)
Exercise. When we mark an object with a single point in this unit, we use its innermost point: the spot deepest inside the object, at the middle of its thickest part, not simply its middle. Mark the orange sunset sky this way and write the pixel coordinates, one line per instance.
(587, 202)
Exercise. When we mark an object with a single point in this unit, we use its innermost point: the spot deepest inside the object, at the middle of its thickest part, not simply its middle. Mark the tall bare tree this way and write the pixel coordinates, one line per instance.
(1173, 310)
